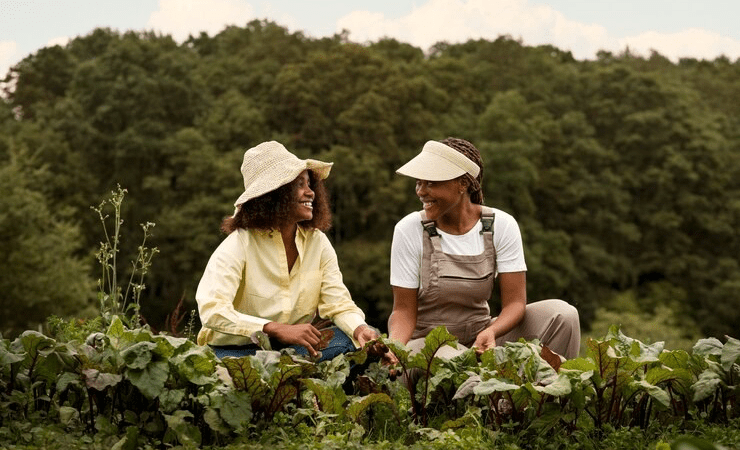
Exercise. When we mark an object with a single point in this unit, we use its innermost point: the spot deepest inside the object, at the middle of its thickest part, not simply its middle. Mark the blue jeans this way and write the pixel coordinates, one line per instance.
(338, 345)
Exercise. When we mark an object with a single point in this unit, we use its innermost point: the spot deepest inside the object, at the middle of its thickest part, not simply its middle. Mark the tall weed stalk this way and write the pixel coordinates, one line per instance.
(112, 299)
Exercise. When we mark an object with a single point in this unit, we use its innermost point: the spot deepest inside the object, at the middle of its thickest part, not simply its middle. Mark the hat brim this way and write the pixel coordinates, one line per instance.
(430, 167)
(320, 168)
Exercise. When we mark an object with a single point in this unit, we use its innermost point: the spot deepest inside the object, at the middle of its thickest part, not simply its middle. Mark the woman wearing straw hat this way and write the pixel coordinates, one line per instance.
(276, 268)
(444, 260)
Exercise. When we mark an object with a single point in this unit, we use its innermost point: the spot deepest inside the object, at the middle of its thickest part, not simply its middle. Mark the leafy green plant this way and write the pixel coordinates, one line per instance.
(419, 369)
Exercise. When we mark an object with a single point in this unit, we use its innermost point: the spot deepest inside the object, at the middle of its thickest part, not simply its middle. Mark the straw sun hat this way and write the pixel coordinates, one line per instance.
(270, 165)
(438, 162)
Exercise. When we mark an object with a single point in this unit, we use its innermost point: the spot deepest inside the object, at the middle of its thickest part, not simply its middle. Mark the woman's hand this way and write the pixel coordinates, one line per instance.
(486, 339)
(303, 334)
(364, 334)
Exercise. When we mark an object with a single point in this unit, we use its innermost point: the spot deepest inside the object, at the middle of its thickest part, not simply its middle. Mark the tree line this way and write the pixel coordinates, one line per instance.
(623, 171)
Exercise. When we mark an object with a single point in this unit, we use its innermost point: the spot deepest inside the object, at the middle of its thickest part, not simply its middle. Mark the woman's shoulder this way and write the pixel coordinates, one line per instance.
(411, 220)
(239, 237)
(314, 236)
(500, 214)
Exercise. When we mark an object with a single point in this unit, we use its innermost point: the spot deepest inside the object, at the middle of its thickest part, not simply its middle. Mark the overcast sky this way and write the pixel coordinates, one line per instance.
(701, 29)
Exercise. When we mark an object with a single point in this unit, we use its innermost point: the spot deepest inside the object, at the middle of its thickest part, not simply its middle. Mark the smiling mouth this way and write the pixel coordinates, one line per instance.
(308, 205)
(427, 204)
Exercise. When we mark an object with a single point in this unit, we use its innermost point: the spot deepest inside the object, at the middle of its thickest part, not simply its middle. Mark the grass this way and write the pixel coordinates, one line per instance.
(55, 437)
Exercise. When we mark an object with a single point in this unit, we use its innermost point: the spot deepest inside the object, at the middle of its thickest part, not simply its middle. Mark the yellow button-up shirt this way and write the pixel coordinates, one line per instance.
(246, 284)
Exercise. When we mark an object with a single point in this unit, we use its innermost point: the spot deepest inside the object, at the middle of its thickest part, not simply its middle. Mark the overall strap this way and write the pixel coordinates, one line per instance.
(487, 217)
(431, 228)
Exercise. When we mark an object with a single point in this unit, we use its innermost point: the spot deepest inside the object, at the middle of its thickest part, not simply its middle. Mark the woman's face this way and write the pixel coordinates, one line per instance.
(439, 197)
(302, 199)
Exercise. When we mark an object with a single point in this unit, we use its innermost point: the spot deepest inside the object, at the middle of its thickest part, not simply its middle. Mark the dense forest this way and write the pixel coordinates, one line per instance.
(623, 171)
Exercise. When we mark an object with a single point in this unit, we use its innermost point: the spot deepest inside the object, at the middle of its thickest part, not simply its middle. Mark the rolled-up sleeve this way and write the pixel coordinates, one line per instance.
(335, 302)
(221, 281)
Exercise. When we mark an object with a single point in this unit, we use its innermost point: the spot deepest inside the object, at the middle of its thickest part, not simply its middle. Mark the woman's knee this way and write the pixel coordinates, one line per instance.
(564, 312)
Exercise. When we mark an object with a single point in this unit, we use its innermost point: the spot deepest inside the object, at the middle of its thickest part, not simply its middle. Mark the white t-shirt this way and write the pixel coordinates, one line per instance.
(407, 247)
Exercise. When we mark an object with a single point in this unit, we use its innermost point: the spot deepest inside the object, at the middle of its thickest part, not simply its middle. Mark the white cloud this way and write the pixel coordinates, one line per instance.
(182, 18)
(8, 57)
(460, 20)
(694, 43)
(457, 21)
(61, 41)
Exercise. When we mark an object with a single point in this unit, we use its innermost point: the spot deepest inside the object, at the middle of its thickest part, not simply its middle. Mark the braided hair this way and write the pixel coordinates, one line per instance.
(472, 153)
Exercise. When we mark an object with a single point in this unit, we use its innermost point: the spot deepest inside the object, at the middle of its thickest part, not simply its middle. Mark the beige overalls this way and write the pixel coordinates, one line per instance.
(455, 290)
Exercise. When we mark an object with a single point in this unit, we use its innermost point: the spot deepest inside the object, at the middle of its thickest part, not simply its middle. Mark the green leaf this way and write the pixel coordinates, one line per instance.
(99, 381)
(267, 363)
(488, 387)
(196, 366)
(470, 420)
(467, 386)
(560, 387)
(236, 409)
(336, 370)
(283, 394)
(331, 399)
(227, 409)
(68, 416)
(706, 386)
(694, 443)
(128, 442)
(730, 353)
(163, 347)
(436, 339)
(401, 351)
(287, 369)
(441, 376)
(675, 359)
(67, 379)
(606, 364)
(463, 362)
(708, 347)
(679, 377)
(8, 358)
(581, 364)
(261, 339)
(537, 370)
(178, 344)
(151, 379)
(245, 376)
(549, 417)
(214, 420)
(116, 330)
(139, 355)
(187, 433)
(643, 353)
(633, 348)
(33, 343)
(357, 407)
(656, 393)
(170, 399)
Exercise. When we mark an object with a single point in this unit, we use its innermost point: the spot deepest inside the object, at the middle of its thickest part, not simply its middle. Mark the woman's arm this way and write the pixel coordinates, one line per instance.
(513, 287)
(335, 302)
(217, 288)
(402, 321)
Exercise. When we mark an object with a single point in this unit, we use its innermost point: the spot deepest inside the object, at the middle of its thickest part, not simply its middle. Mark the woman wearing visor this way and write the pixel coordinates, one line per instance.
(276, 268)
(444, 260)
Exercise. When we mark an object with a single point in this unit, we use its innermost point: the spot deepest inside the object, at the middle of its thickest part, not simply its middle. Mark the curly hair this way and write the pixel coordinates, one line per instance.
(472, 153)
(272, 210)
